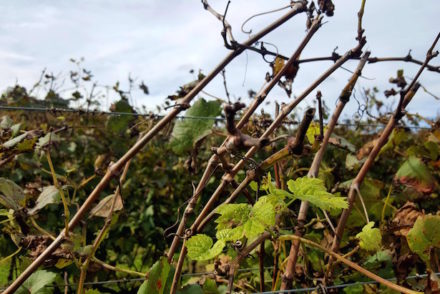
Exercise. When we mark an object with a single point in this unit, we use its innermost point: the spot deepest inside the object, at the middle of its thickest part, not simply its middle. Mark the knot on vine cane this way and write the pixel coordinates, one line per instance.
(188, 233)
(237, 139)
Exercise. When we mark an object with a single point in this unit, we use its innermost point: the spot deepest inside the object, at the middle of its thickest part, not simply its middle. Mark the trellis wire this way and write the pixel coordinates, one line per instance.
(297, 290)
(300, 290)
(94, 112)
(157, 116)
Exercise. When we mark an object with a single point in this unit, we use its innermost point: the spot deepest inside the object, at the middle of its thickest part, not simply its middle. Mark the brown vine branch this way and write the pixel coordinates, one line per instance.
(335, 56)
(275, 124)
(360, 30)
(351, 264)
(103, 230)
(321, 120)
(297, 8)
(344, 97)
(117, 167)
(293, 148)
(406, 97)
(60, 189)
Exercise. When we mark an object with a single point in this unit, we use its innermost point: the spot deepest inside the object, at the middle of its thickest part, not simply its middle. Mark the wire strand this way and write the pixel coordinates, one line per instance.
(296, 290)
(159, 116)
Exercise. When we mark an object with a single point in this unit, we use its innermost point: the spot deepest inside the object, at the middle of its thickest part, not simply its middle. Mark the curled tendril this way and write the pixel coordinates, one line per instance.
(361, 107)
(260, 14)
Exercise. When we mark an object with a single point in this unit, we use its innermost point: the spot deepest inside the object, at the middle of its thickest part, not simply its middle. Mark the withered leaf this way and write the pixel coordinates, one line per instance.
(102, 209)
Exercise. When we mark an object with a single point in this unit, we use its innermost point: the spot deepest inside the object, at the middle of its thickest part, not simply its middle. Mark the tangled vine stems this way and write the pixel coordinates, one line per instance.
(60, 189)
(259, 98)
(335, 56)
(116, 168)
(228, 177)
(351, 264)
(294, 147)
(103, 230)
(344, 97)
(405, 99)
(275, 124)
(266, 235)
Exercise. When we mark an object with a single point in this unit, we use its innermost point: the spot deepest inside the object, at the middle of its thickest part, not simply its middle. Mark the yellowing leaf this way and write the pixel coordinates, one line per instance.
(277, 65)
(254, 186)
(26, 145)
(313, 131)
(415, 174)
(424, 235)
(370, 238)
(62, 263)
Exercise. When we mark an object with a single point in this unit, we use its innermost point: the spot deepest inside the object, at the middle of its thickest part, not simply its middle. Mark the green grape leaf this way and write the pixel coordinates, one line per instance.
(266, 183)
(261, 217)
(4, 272)
(232, 215)
(424, 234)
(119, 123)
(187, 132)
(239, 220)
(200, 247)
(160, 278)
(341, 142)
(379, 258)
(415, 174)
(11, 195)
(355, 289)
(370, 238)
(47, 139)
(92, 291)
(36, 282)
(352, 163)
(49, 195)
(26, 144)
(210, 287)
(397, 137)
(15, 129)
(254, 186)
(191, 289)
(314, 191)
(6, 122)
(14, 141)
(230, 234)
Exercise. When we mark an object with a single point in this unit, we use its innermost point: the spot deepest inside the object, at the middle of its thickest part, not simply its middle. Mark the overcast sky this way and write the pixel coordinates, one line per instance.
(160, 41)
